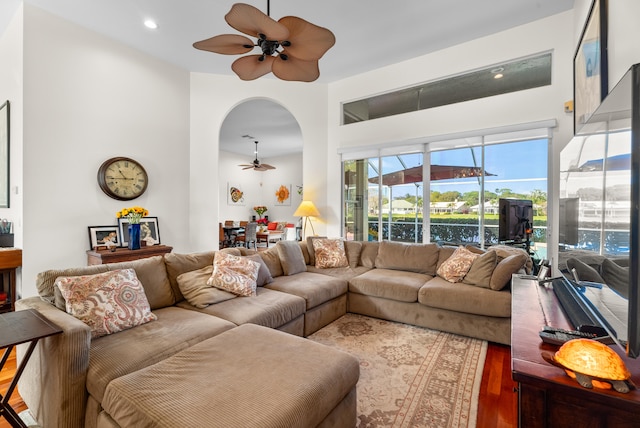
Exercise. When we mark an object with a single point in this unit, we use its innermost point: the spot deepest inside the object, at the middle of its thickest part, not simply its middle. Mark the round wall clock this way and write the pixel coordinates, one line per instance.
(122, 178)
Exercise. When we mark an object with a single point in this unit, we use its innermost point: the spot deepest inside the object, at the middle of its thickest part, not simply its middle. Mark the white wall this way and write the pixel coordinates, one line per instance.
(553, 34)
(212, 98)
(11, 82)
(86, 99)
(259, 187)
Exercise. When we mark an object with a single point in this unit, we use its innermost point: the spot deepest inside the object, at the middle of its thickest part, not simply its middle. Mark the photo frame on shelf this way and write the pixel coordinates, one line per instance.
(590, 66)
(235, 195)
(149, 230)
(4, 154)
(100, 236)
(283, 195)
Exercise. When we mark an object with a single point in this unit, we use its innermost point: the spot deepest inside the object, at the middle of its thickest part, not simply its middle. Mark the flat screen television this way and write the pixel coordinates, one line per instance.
(600, 173)
(515, 220)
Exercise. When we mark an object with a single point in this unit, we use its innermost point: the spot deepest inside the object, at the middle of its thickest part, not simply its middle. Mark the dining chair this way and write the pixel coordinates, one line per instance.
(249, 236)
(222, 238)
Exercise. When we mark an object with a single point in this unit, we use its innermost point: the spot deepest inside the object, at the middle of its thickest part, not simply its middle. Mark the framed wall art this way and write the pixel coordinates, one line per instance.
(149, 230)
(235, 196)
(590, 66)
(4, 154)
(103, 236)
(283, 195)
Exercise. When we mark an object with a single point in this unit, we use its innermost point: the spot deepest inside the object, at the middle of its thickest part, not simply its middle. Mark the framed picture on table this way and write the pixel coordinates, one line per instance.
(103, 236)
(590, 66)
(149, 230)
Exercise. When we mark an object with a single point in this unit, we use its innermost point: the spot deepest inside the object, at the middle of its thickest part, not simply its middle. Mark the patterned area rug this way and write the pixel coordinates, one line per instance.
(410, 376)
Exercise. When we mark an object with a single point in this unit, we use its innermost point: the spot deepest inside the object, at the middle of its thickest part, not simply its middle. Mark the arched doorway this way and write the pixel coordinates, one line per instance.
(279, 144)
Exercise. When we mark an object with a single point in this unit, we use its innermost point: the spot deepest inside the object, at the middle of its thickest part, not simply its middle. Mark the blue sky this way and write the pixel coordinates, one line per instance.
(521, 167)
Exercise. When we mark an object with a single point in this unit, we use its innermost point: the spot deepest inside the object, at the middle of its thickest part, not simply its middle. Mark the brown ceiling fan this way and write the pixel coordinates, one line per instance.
(291, 46)
(256, 165)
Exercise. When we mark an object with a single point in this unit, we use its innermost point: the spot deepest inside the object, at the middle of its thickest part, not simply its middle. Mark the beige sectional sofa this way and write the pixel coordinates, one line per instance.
(73, 380)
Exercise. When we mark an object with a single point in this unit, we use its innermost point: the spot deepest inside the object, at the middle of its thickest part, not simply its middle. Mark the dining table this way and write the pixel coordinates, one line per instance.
(229, 232)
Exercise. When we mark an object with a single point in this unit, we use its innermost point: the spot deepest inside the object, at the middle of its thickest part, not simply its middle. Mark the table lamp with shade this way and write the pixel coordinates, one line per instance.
(307, 209)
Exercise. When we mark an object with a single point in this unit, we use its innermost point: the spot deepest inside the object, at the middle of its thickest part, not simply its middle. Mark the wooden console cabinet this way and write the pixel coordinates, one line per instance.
(99, 257)
(10, 260)
(547, 397)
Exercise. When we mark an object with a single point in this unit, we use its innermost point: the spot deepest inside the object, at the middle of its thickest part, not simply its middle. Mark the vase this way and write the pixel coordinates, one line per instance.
(134, 236)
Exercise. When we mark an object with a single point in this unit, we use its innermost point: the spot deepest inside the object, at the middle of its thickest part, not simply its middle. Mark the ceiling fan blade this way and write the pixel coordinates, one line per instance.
(267, 166)
(248, 167)
(227, 44)
(249, 67)
(308, 41)
(252, 21)
(295, 69)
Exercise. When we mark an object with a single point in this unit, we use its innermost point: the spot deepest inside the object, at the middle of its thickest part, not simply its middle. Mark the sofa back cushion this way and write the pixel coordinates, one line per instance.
(420, 258)
(482, 269)
(150, 271)
(369, 253)
(272, 259)
(45, 280)
(506, 267)
(311, 250)
(195, 289)
(178, 264)
(291, 257)
(444, 253)
(353, 249)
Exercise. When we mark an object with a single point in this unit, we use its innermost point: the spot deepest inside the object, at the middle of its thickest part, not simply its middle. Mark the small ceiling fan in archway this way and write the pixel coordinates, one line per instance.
(256, 165)
(291, 46)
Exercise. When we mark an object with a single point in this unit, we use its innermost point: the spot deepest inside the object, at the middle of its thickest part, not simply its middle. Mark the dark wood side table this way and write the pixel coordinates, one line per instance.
(100, 257)
(16, 328)
(547, 397)
(10, 260)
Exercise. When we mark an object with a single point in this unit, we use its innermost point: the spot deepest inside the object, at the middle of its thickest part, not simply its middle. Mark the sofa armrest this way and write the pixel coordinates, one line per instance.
(53, 384)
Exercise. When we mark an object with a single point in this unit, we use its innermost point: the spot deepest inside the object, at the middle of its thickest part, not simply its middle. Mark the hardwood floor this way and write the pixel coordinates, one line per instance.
(5, 378)
(498, 403)
(497, 407)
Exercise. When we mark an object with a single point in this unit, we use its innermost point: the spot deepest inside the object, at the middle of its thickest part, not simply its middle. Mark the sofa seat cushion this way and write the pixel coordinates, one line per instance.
(269, 308)
(245, 377)
(460, 297)
(314, 288)
(127, 351)
(345, 273)
(389, 284)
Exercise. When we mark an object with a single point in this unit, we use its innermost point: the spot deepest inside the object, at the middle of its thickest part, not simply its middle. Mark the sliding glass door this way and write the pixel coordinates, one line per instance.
(388, 197)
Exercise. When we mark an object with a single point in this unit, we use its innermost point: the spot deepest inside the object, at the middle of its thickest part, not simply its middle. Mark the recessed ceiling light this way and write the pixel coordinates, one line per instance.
(151, 24)
(497, 72)
(498, 76)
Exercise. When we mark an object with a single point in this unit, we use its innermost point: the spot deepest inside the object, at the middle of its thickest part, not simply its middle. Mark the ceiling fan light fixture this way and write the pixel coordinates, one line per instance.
(298, 43)
(256, 165)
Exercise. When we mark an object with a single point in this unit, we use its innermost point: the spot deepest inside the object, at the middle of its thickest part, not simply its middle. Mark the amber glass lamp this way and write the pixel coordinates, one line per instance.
(307, 209)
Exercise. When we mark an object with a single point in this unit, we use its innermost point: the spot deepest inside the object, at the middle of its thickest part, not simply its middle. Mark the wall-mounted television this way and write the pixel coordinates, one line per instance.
(597, 179)
(515, 220)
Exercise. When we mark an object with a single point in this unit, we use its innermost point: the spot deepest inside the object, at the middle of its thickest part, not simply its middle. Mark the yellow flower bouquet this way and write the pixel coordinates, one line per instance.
(133, 214)
(260, 209)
